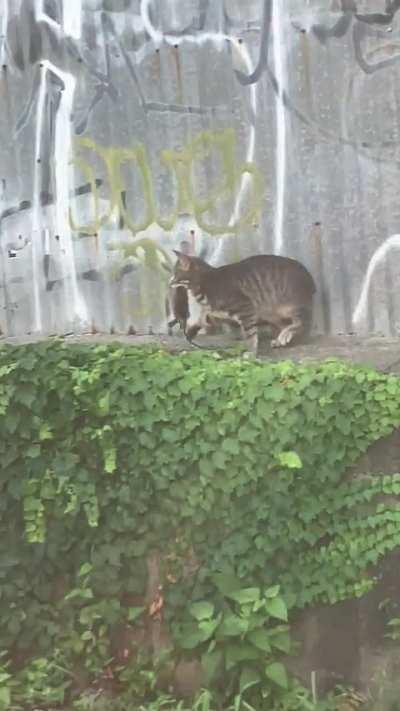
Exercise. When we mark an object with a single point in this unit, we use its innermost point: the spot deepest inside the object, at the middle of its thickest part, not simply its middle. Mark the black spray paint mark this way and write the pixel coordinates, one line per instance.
(340, 27)
(183, 108)
(361, 26)
(30, 41)
(246, 79)
(47, 199)
(24, 205)
(103, 87)
(359, 33)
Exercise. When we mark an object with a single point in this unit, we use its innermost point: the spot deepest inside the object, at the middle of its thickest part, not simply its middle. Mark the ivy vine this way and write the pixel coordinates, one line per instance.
(220, 465)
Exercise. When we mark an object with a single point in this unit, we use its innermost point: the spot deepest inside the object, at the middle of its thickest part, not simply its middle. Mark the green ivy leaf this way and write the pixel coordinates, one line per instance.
(239, 652)
(276, 607)
(85, 569)
(202, 610)
(245, 595)
(211, 661)
(248, 678)
(110, 460)
(261, 639)
(191, 640)
(277, 673)
(227, 583)
(281, 641)
(134, 613)
(5, 698)
(291, 460)
(232, 626)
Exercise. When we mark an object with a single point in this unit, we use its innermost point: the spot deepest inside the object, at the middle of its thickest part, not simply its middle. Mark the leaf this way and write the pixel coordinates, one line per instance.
(272, 592)
(134, 613)
(231, 446)
(86, 636)
(210, 663)
(202, 610)
(227, 583)
(275, 392)
(277, 673)
(85, 569)
(110, 459)
(245, 595)
(5, 698)
(277, 608)
(26, 394)
(238, 653)
(249, 677)
(232, 626)
(104, 404)
(282, 642)
(33, 451)
(208, 627)
(261, 639)
(218, 459)
(45, 433)
(291, 460)
(191, 640)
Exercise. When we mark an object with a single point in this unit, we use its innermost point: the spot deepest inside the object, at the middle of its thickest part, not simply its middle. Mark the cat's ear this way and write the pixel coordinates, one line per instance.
(184, 260)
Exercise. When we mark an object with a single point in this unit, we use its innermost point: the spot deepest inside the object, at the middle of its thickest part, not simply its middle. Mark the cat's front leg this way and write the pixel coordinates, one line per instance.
(249, 326)
(192, 331)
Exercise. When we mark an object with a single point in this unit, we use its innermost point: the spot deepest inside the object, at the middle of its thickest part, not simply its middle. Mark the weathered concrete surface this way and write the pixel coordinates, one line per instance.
(263, 126)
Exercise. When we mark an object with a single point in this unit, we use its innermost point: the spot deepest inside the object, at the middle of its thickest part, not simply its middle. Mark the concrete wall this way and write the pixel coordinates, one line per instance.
(260, 125)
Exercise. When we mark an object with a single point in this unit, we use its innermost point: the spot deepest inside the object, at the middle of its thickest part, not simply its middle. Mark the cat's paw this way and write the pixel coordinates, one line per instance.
(283, 339)
(249, 355)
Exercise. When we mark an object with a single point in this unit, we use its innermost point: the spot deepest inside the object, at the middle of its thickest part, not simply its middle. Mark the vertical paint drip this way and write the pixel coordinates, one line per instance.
(72, 18)
(3, 36)
(377, 258)
(244, 56)
(36, 205)
(280, 155)
(76, 306)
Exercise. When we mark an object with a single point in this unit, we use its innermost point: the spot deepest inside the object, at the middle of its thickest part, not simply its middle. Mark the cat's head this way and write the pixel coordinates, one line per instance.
(188, 270)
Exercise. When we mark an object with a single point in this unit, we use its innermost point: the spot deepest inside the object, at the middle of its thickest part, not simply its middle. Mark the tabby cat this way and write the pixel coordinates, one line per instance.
(264, 289)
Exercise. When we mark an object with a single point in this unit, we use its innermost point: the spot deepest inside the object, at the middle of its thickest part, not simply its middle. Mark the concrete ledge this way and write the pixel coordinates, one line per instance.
(379, 352)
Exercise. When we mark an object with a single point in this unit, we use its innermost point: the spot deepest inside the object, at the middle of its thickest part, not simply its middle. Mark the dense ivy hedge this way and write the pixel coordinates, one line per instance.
(109, 454)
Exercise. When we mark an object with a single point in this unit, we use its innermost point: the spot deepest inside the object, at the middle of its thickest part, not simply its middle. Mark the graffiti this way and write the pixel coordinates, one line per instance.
(181, 164)
(128, 123)
(362, 24)
(360, 311)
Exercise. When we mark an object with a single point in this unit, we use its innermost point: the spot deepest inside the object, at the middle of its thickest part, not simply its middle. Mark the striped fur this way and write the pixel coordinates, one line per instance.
(264, 289)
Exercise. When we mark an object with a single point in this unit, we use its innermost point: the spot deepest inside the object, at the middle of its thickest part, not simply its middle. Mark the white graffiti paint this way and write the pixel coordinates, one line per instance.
(77, 311)
(4, 13)
(388, 245)
(42, 16)
(72, 18)
(280, 153)
(37, 225)
(244, 55)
